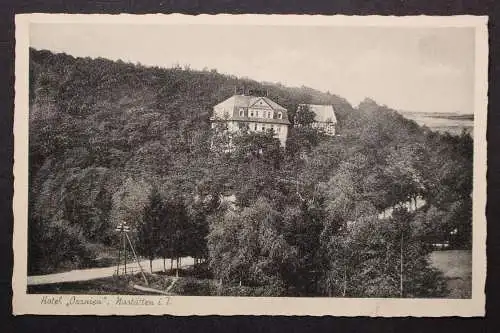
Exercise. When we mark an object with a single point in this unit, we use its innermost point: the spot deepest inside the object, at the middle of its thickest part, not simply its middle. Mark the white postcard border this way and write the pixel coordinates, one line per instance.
(24, 303)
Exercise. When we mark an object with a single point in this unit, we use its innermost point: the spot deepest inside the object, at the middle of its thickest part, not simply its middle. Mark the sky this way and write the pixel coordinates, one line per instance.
(406, 68)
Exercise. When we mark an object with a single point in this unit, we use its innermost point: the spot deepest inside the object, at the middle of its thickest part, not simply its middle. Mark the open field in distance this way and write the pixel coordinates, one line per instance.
(453, 123)
(456, 266)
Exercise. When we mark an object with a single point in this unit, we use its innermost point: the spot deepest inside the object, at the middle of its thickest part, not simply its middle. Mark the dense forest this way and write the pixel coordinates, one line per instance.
(114, 142)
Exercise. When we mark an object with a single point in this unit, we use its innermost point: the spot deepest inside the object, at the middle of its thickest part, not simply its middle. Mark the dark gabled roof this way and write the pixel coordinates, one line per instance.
(247, 101)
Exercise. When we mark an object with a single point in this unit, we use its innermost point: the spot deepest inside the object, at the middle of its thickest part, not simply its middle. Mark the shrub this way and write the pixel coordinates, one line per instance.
(194, 287)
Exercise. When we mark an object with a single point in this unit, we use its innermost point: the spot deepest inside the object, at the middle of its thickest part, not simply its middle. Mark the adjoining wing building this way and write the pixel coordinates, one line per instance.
(324, 117)
(253, 112)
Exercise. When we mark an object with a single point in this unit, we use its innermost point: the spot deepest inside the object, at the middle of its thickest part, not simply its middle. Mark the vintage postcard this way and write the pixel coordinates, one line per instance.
(250, 165)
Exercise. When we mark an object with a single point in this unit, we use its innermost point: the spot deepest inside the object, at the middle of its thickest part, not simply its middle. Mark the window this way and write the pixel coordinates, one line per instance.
(255, 127)
(278, 129)
(251, 113)
(257, 114)
(280, 115)
(268, 114)
(263, 128)
(242, 113)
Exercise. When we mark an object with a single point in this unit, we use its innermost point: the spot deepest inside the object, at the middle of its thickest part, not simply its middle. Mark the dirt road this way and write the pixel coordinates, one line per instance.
(97, 273)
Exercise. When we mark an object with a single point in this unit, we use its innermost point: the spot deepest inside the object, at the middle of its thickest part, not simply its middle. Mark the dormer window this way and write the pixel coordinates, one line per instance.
(280, 115)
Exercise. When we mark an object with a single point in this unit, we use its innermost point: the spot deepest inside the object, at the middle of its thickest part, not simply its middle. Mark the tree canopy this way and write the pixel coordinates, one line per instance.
(113, 142)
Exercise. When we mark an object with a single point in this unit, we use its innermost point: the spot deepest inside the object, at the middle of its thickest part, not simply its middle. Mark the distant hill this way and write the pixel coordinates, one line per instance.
(453, 123)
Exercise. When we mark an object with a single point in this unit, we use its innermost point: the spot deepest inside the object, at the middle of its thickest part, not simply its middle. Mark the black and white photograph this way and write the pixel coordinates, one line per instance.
(254, 160)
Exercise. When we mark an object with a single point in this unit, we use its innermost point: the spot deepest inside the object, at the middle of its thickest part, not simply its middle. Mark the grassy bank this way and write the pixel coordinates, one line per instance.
(115, 285)
(190, 282)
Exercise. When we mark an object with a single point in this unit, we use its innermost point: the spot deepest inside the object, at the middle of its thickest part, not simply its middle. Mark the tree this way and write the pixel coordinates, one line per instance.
(172, 233)
(179, 230)
(149, 229)
(247, 246)
(198, 225)
(256, 162)
(304, 116)
(402, 217)
(55, 245)
(263, 246)
(405, 177)
(380, 258)
(301, 228)
(222, 246)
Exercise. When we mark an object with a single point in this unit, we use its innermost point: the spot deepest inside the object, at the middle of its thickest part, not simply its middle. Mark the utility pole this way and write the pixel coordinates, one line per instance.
(137, 259)
(119, 255)
(124, 229)
(401, 269)
(125, 251)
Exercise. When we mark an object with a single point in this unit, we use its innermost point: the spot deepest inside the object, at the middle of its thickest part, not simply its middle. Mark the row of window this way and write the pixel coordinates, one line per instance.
(264, 127)
(260, 114)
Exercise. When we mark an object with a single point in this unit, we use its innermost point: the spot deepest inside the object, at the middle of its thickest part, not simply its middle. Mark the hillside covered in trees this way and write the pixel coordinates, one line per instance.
(115, 142)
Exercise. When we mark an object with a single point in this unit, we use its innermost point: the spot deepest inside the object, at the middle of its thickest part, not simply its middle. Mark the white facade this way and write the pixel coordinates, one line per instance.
(257, 114)
(327, 127)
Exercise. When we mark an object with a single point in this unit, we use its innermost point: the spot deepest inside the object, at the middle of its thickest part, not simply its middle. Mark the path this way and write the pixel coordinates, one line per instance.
(98, 273)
